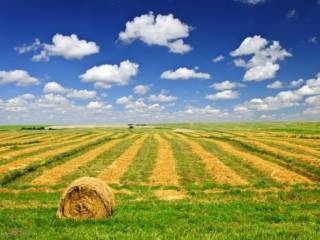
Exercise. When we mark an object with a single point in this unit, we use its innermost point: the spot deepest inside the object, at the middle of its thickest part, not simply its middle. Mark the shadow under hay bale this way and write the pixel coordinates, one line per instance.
(86, 198)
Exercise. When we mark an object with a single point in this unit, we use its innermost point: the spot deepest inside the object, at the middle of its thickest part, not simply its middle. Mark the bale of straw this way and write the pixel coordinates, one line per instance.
(86, 198)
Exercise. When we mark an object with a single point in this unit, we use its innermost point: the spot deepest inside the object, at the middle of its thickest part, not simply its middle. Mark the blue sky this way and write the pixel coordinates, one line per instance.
(159, 61)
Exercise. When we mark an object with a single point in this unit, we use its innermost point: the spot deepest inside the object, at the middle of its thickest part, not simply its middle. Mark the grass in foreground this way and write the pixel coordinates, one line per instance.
(229, 215)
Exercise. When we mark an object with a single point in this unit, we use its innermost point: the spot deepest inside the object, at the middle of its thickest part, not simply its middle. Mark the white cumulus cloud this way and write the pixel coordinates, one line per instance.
(141, 89)
(108, 75)
(217, 59)
(264, 63)
(226, 85)
(251, 2)
(56, 88)
(96, 105)
(275, 85)
(184, 74)
(161, 30)
(20, 78)
(296, 83)
(69, 47)
(162, 97)
(138, 105)
(223, 95)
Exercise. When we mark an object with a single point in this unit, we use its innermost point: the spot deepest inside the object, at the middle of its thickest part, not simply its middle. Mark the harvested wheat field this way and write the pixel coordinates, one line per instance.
(205, 178)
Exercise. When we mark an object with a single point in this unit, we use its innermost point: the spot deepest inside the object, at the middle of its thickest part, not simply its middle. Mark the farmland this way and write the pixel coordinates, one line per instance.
(176, 181)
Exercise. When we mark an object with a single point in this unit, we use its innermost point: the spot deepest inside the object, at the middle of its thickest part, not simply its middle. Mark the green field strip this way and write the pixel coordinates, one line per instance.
(26, 179)
(16, 147)
(289, 148)
(294, 165)
(22, 163)
(27, 141)
(19, 136)
(15, 174)
(49, 147)
(141, 168)
(190, 168)
(93, 168)
(312, 144)
(240, 166)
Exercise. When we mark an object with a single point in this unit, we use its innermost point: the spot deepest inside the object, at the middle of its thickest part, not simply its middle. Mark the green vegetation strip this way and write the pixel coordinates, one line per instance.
(26, 179)
(142, 166)
(48, 147)
(190, 167)
(12, 175)
(93, 168)
(240, 166)
(297, 166)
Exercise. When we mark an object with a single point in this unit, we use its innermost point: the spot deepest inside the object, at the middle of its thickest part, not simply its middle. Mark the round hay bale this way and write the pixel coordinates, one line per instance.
(86, 198)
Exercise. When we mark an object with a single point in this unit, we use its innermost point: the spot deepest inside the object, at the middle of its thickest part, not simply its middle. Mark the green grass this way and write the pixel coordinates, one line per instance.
(142, 166)
(237, 215)
(94, 167)
(190, 168)
(240, 166)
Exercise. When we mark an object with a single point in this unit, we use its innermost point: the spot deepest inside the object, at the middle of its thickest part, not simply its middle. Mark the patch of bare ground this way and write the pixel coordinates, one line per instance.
(220, 173)
(50, 153)
(275, 171)
(164, 172)
(309, 159)
(170, 195)
(114, 172)
(54, 175)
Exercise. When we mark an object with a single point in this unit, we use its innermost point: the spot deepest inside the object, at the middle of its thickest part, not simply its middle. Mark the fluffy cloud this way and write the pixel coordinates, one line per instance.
(56, 88)
(275, 85)
(141, 89)
(296, 83)
(20, 78)
(226, 85)
(250, 45)
(285, 99)
(313, 40)
(162, 97)
(81, 94)
(184, 73)
(52, 108)
(96, 105)
(53, 87)
(311, 87)
(69, 47)
(263, 64)
(206, 110)
(314, 100)
(138, 105)
(217, 59)
(223, 95)
(291, 13)
(161, 30)
(107, 75)
(252, 2)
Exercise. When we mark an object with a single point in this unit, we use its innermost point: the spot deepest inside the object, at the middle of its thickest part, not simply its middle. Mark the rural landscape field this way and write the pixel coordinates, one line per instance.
(204, 181)
(159, 120)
